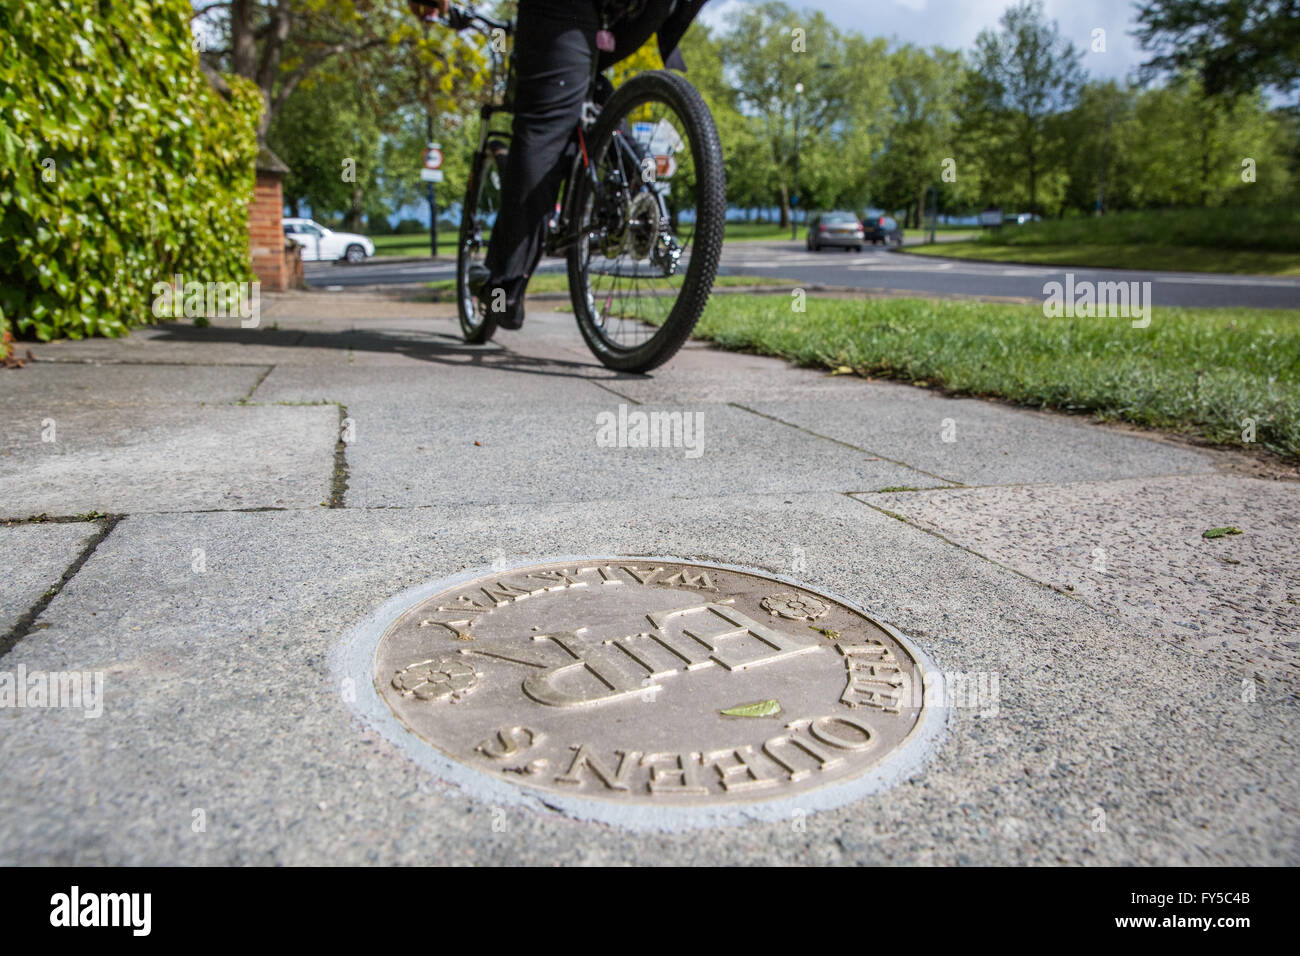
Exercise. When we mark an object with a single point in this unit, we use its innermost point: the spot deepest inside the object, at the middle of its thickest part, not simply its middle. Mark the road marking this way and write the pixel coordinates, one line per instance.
(1223, 280)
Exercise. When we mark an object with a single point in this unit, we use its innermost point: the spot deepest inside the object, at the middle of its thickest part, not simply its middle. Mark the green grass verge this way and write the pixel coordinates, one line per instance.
(1269, 229)
(1198, 371)
(1159, 258)
(1243, 241)
(415, 244)
(756, 231)
(952, 232)
(559, 282)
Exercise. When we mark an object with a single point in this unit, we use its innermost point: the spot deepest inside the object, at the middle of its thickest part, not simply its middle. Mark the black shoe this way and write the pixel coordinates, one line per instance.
(511, 316)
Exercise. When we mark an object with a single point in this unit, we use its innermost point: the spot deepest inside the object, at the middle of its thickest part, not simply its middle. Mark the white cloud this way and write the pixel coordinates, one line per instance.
(716, 13)
(956, 23)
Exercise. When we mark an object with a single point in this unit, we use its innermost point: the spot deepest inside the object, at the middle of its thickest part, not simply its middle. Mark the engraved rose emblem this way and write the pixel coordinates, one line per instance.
(436, 679)
(794, 607)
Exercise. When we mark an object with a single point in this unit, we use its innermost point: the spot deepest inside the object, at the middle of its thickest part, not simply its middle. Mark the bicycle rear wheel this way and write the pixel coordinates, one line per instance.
(479, 214)
(650, 212)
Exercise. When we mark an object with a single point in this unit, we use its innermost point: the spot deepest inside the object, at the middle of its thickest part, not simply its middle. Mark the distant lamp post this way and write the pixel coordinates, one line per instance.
(798, 92)
(794, 228)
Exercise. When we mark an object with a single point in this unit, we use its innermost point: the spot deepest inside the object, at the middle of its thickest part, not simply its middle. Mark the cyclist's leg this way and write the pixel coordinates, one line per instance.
(555, 44)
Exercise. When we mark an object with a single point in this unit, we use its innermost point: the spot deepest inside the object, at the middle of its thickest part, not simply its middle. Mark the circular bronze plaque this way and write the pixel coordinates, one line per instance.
(650, 683)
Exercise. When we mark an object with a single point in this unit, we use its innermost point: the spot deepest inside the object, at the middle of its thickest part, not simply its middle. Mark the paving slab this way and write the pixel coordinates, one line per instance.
(33, 559)
(165, 458)
(1135, 549)
(44, 384)
(982, 443)
(221, 697)
(462, 377)
(421, 454)
(183, 343)
(329, 332)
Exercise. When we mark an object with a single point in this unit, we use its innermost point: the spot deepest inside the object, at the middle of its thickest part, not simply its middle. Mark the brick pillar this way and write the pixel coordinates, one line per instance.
(265, 227)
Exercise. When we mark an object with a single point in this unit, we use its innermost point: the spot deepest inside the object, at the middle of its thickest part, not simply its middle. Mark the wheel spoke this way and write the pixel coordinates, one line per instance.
(631, 277)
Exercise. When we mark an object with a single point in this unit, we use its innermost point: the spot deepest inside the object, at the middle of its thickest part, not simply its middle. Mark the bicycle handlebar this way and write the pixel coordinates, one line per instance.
(467, 18)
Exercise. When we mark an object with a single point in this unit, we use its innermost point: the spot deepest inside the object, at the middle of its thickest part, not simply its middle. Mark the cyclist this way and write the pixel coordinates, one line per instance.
(556, 42)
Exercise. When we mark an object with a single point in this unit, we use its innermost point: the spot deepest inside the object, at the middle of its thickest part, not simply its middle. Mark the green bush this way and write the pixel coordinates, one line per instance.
(120, 164)
(1274, 229)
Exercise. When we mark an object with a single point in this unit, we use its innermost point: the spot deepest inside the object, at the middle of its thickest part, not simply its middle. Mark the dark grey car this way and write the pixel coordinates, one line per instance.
(842, 229)
(885, 229)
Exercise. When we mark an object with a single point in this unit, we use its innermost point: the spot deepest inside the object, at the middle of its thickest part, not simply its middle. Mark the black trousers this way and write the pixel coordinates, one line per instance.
(555, 47)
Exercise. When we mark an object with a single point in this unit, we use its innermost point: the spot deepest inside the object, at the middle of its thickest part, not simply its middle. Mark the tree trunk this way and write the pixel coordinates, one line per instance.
(243, 39)
(785, 206)
(352, 221)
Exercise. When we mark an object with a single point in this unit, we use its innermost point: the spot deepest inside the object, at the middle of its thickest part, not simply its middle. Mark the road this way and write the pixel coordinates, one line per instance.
(880, 270)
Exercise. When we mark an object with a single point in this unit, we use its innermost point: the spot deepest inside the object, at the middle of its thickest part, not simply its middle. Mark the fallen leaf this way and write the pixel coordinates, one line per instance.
(761, 708)
(1221, 532)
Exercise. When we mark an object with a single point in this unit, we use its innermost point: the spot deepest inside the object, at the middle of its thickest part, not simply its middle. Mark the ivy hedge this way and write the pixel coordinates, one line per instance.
(120, 164)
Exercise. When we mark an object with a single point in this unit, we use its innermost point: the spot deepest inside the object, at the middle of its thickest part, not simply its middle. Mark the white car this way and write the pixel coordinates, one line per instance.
(325, 245)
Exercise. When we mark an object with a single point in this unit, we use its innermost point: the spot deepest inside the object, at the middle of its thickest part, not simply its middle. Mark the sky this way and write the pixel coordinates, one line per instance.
(955, 24)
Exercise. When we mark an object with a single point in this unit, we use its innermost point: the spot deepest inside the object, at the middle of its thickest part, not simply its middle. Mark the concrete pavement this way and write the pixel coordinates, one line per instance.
(249, 496)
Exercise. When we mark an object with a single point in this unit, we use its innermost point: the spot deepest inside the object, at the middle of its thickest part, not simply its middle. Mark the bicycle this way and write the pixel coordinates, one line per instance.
(641, 213)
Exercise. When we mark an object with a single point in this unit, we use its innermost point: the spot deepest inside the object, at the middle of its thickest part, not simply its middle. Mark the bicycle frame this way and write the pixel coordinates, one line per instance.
(559, 236)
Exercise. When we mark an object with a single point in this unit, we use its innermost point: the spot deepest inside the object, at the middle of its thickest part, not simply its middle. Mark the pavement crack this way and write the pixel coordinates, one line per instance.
(339, 482)
(961, 547)
(866, 451)
(24, 623)
(256, 385)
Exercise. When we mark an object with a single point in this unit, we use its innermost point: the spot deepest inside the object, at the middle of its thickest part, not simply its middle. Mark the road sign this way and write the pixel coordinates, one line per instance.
(432, 171)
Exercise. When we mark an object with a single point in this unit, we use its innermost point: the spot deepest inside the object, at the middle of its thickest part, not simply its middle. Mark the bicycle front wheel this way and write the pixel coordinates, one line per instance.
(650, 211)
(478, 216)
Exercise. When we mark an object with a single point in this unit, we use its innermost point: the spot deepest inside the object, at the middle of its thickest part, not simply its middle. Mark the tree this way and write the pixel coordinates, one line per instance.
(353, 128)
(1188, 149)
(1021, 79)
(1100, 163)
(331, 144)
(771, 53)
(749, 168)
(1233, 46)
(923, 88)
(277, 44)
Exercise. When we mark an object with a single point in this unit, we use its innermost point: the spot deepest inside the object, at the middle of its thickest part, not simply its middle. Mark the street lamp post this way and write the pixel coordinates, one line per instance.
(794, 229)
(430, 195)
